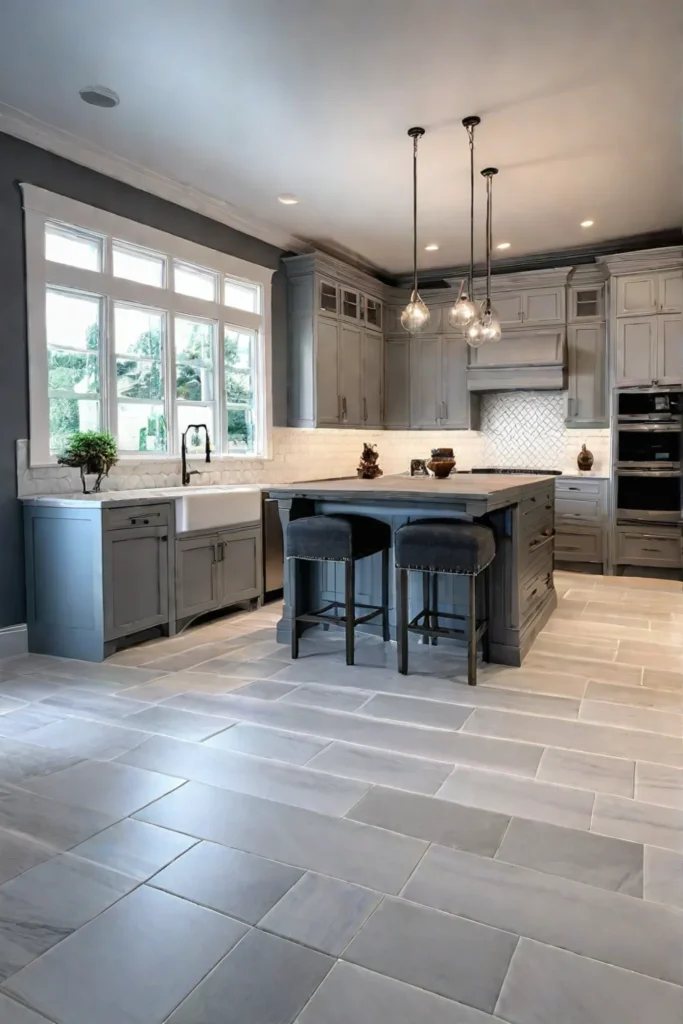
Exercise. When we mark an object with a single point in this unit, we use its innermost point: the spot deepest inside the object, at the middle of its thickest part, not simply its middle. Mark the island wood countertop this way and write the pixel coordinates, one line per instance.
(475, 493)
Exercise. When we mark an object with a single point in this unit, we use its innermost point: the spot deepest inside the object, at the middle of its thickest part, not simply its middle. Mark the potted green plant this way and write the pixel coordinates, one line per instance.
(90, 451)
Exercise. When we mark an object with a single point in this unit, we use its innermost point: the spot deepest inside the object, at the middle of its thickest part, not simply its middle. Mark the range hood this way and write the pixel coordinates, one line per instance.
(533, 361)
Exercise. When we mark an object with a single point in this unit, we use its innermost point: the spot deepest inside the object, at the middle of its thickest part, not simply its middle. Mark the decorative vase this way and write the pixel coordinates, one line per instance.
(585, 459)
(441, 462)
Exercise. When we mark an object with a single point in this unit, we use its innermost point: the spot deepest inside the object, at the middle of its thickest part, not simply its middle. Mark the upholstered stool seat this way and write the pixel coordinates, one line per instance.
(434, 546)
(338, 538)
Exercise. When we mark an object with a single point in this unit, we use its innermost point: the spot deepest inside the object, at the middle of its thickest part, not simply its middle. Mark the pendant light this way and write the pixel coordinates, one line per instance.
(415, 316)
(487, 326)
(464, 310)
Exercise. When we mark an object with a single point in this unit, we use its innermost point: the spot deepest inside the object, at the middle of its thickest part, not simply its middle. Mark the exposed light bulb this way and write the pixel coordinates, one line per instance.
(490, 325)
(415, 316)
(462, 312)
(474, 334)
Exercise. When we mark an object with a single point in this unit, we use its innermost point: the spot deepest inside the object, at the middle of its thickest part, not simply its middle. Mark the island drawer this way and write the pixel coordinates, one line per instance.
(578, 543)
(649, 546)
(534, 591)
(135, 516)
(536, 562)
(534, 501)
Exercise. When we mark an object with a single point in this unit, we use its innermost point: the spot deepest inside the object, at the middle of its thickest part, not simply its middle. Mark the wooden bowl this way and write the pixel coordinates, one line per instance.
(441, 468)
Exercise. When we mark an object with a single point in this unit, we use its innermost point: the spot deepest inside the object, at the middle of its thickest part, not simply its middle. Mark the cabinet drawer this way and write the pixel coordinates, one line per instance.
(577, 487)
(534, 591)
(578, 544)
(649, 547)
(537, 500)
(135, 516)
(577, 508)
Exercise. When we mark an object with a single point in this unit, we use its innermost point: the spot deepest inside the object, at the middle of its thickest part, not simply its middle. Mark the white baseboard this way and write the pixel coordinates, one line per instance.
(13, 641)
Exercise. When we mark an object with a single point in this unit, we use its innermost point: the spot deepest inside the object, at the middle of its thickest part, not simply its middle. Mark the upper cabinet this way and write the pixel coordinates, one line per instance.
(439, 398)
(640, 294)
(587, 404)
(586, 303)
(397, 382)
(649, 350)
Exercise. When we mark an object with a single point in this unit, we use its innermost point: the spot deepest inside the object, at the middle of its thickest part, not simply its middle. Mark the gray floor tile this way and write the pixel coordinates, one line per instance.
(202, 702)
(659, 784)
(24, 688)
(338, 847)
(663, 877)
(436, 821)
(627, 675)
(455, 958)
(420, 741)
(162, 947)
(338, 698)
(264, 980)
(514, 795)
(641, 822)
(103, 672)
(627, 716)
(235, 883)
(21, 760)
(29, 717)
(102, 707)
(322, 912)
(662, 680)
(89, 739)
(587, 771)
(638, 696)
(45, 904)
(265, 689)
(54, 824)
(12, 1012)
(561, 912)
(106, 786)
(183, 725)
(286, 783)
(435, 713)
(274, 743)
(134, 847)
(600, 739)
(382, 767)
(584, 856)
(18, 853)
(188, 658)
(551, 985)
(261, 668)
(535, 681)
(350, 993)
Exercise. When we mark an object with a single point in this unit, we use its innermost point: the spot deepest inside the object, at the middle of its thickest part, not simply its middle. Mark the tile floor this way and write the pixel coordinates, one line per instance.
(199, 831)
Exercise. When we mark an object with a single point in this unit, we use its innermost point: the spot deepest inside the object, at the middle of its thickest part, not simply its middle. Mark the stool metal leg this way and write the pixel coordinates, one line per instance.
(425, 605)
(350, 608)
(472, 634)
(294, 605)
(402, 620)
(435, 605)
(486, 596)
(386, 635)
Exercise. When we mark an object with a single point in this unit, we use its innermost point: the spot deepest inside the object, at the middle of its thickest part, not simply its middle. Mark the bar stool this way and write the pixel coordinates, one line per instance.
(338, 538)
(433, 546)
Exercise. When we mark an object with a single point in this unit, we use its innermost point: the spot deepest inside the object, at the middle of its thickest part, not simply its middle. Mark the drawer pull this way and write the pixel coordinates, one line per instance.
(656, 551)
(548, 508)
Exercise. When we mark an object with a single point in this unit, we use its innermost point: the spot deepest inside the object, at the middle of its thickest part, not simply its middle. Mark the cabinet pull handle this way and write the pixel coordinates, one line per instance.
(657, 551)
(344, 414)
(548, 508)
(215, 553)
(365, 410)
(445, 410)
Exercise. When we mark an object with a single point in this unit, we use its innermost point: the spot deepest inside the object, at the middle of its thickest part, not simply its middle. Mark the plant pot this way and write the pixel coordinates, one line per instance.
(441, 468)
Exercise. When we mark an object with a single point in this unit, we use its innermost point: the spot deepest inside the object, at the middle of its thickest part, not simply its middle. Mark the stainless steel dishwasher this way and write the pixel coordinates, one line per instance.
(273, 550)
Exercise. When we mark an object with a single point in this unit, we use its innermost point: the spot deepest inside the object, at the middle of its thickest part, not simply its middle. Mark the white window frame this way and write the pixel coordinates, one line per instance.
(42, 207)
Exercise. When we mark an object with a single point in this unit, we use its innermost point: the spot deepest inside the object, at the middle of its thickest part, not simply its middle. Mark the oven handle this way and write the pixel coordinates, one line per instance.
(671, 427)
(648, 472)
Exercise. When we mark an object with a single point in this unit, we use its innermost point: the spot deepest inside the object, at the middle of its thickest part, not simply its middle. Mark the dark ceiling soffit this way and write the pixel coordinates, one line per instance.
(546, 260)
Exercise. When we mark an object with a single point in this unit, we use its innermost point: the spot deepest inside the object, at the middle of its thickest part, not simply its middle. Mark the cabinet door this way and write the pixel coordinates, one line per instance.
(350, 356)
(636, 353)
(135, 584)
(373, 350)
(587, 302)
(425, 382)
(239, 566)
(669, 350)
(671, 291)
(636, 294)
(509, 307)
(350, 303)
(196, 575)
(543, 306)
(456, 397)
(586, 352)
(397, 383)
(327, 372)
(373, 313)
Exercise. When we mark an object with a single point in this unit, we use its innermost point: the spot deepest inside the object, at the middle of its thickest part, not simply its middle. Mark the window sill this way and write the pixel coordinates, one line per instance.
(135, 458)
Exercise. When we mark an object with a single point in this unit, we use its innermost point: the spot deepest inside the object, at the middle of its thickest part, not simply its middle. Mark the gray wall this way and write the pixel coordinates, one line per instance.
(19, 161)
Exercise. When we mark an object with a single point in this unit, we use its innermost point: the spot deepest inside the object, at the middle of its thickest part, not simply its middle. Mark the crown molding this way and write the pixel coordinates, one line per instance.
(72, 147)
(670, 258)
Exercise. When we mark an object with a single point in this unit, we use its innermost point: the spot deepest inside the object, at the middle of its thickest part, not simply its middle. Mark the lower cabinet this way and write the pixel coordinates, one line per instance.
(215, 570)
(135, 579)
(658, 546)
(579, 543)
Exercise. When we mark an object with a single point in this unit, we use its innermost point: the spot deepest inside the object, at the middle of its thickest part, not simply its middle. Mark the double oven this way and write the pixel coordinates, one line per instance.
(648, 456)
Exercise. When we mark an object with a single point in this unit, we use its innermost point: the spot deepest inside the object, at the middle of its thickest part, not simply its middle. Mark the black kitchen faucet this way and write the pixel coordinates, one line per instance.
(186, 474)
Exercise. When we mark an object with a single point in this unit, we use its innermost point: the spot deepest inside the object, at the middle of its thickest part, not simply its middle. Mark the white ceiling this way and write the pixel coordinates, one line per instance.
(581, 105)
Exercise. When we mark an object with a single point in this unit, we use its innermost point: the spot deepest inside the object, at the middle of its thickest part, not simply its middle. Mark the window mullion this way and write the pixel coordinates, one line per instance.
(221, 410)
(108, 365)
(168, 356)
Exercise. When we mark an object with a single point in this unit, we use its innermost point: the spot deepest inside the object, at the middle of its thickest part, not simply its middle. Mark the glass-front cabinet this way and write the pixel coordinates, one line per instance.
(373, 312)
(328, 297)
(350, 304)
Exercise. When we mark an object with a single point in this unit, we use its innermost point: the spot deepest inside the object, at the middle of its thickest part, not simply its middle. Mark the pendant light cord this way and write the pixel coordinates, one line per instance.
(470, 133)
(488, 244)
(415, 137)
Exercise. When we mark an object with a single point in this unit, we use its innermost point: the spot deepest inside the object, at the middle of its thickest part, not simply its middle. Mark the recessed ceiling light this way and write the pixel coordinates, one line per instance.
(99, 96)
(503, 245)
(432, 247)
(287, 199)
(587, 223)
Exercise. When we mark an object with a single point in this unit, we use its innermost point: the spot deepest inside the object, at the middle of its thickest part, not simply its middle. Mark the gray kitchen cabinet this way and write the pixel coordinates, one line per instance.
(196, 575)
(240, 571)
(529, 306)
(586, 302)
(587, 403)
(658, 546)
(372, 377)
(135, 579)
(397, 383)
(457, 401)
(349, 352)
(650, 292)
(372, 312)
(438, 384)
(327, 373)
(649, 350)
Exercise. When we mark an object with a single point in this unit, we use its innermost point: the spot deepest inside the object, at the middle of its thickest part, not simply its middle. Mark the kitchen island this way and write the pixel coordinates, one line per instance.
(519, 510)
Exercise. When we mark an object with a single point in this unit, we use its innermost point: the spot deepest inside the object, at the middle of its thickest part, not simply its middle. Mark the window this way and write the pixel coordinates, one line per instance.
(142, 334)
